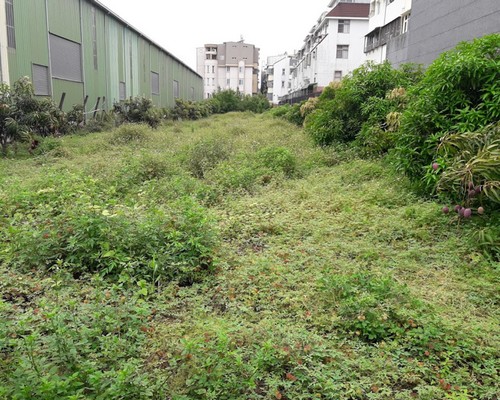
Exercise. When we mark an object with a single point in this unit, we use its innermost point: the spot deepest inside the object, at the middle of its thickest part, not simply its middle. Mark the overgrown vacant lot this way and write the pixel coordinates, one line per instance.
(228, 258)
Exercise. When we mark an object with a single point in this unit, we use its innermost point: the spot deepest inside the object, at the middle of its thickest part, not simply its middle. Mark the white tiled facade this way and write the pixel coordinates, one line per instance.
(332, 49)
(278, 70)
(231, 65)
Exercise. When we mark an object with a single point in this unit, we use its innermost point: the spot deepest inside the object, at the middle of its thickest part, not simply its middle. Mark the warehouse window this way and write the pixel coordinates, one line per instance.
(94, 35)
(11, 30)
(41, 80)
(65, 58)
(337, 76)
(176, 89)
(155, 83)
(123, 91)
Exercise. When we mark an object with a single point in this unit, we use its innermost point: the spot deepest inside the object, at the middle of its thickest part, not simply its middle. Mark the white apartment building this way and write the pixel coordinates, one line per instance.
(387, 28)
(277, 71)
(230, 65)
(333, 48)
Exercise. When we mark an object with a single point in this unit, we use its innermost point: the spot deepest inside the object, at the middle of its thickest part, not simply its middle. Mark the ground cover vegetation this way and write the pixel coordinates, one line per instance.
(439, 127)
(231, 257)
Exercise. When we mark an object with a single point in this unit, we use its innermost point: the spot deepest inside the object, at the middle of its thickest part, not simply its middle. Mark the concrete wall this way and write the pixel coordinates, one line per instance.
(437, 26)
(397, 50)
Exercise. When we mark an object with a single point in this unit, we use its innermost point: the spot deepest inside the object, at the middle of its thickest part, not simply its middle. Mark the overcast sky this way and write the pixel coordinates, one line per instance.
(180, 26)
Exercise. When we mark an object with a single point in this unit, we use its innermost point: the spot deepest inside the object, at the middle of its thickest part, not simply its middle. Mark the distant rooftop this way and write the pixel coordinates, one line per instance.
(351, 10)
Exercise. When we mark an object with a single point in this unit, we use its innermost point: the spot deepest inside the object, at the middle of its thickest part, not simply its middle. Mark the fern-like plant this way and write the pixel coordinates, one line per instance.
(472, 173)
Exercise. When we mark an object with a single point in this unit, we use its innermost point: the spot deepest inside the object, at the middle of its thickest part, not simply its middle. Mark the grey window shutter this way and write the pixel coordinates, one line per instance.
(155, 83)
(66, 59)
(123, 91)
(41, 80)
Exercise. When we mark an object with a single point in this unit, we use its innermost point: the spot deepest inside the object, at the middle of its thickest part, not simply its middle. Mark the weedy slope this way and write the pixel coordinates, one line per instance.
(229, 258)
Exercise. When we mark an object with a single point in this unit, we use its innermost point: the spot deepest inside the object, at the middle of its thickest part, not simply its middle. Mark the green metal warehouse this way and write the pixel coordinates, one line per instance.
(80, 52)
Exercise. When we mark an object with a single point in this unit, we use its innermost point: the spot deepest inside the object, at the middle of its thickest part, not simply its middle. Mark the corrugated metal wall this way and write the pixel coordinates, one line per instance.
(113, 55)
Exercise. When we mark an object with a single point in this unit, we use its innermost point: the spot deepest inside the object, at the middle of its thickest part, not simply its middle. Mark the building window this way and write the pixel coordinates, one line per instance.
(342, 51)
(155, 83)
(94, 36)
(228, 82)
(123, 91)
(282, 84)
(213, 81)
(65, 58)
(41, 80)
(241, 70)
(208, 68)
(176, 89)
(240, 82)
(228, 69)
(337, 76)
(283, 71)
(213, 69)
(344, 25)
(11, 30)
(404, 23)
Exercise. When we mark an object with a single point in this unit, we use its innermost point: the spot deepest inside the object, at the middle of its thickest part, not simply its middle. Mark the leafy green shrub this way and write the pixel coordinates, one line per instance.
(308, 106)
(471, 173)
(206, 154)
(224, 101)
(323, 125)
(277, 159)
(75, 117)
(329, 91)
(45, 145)
(130, 133)
(22, 114)
(76, 348)
(487, 237)
(382, 120)
(85, 235)
(185, 109)
(294, 115)
(138, 110)
(340, 114)
(231, 176)
(146, 167)
(228, 365)
(280, 111)
(459, 93)
(102, 122)
(256, 103)
(372, 308)
(227, 101)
